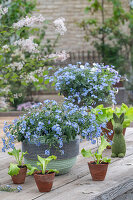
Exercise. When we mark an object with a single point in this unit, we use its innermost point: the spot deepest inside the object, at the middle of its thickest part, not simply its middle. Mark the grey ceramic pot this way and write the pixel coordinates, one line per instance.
(63, 163)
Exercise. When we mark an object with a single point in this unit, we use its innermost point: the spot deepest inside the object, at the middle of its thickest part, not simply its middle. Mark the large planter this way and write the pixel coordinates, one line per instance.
(63, 163)
(98, 171)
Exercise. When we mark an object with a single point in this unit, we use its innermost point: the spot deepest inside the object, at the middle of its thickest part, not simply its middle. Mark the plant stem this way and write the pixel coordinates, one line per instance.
(97, 143)
(56, 40)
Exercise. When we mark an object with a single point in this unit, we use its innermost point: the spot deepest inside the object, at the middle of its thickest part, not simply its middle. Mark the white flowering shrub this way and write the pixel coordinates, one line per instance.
(23, 57)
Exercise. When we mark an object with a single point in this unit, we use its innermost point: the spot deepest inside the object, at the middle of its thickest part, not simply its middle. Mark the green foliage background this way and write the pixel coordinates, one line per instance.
(113, 44)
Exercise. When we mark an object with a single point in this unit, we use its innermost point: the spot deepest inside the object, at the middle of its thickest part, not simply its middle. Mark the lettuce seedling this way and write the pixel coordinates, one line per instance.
(104, 114)
(15, 168)
(43, 162)
(97, 156)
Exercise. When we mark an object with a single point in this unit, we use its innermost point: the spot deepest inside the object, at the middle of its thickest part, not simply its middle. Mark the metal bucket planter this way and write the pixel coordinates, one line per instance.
(63, 163)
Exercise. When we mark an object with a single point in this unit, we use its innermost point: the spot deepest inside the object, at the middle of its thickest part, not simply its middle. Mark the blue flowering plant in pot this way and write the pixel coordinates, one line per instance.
(53, 129)
(86, 84)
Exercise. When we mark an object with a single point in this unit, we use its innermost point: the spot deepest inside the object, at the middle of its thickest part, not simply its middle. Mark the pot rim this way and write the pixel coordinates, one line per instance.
(38, 173)
(22, 166)
(43, 140)
(101, 164)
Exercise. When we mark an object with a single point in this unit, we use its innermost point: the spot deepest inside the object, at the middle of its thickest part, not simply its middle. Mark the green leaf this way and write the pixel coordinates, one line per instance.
(106, 113)
(118, 111)
(43, 162)
(102, 117)
(15, 153)
(124, 108)
(86, 153)
(13, 169)
(21, 158)
(41, 79)
(53, 84)
(87, 9)
(99, 107)
(24, 83)
(46, 81)
(110, 116)
(129, 114)
(7, 75)
(32, 169)
(11, 99)
(106, 160)
(45, 72)
(103, 145)
(126, 123)
(14, 76)
(98, 157)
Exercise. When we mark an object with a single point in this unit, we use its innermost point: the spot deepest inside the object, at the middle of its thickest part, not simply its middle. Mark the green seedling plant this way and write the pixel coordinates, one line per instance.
(15, 167)
(42, 162)
(97, 156)
(106, 114)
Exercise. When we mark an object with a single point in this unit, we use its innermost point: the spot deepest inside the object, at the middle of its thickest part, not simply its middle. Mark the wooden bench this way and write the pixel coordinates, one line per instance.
(78, 185)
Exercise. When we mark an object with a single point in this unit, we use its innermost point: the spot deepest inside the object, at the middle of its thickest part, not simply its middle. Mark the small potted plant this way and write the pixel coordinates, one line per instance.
(98, 167)
(17, 170)
(106, 114)
(43, 178)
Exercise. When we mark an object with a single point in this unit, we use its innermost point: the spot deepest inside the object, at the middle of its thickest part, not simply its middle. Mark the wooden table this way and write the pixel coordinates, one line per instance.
(78, 185)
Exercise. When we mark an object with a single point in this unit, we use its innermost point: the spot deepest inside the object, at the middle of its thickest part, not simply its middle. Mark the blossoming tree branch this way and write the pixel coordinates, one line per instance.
(27, 61)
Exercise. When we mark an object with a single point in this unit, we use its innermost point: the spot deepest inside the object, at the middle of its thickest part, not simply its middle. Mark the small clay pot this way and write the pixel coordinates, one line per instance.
(119, 84)
(98, 171)
(20, 178)
(44, 182)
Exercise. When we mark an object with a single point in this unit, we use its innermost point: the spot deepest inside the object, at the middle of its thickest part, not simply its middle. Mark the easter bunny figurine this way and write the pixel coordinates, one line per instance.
(119, 145)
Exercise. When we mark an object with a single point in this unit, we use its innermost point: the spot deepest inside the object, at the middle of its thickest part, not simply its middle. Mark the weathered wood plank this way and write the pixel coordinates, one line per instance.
(117, 191)
(85, 188)
(126, 196)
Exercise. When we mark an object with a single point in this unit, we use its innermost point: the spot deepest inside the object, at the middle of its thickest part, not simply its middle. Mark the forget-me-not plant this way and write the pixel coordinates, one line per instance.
(87, 84)
(63, 123)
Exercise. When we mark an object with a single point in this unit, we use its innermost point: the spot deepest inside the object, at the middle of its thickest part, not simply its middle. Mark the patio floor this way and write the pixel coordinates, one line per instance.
(77, 185)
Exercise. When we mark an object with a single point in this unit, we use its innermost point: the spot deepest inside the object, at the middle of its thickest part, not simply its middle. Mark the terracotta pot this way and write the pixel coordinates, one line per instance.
(119, 84)
(44, 182)
(20, 178)
(98, 171)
